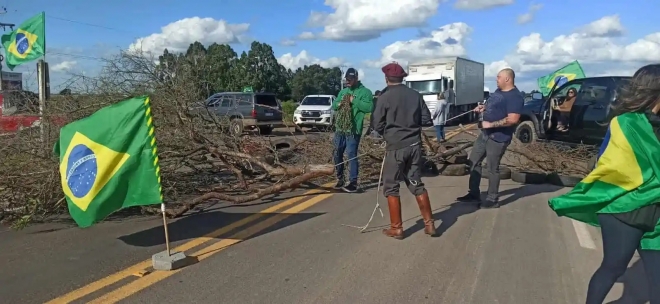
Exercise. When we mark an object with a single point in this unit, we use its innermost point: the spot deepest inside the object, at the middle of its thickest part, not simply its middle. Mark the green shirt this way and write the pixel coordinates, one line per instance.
(361, 105)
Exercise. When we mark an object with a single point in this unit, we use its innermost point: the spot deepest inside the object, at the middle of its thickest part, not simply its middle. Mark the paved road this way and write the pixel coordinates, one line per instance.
(296, 251)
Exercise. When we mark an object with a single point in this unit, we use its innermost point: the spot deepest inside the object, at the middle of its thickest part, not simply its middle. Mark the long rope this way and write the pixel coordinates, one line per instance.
(377, 207)
(380, 178)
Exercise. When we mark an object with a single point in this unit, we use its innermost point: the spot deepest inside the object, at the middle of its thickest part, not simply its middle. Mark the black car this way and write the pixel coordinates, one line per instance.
(589, 116)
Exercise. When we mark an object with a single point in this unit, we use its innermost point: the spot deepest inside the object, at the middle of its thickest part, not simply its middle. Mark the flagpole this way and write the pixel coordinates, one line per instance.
(167, 234)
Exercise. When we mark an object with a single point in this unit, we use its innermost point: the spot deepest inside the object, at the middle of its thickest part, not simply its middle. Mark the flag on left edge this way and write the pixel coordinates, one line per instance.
(26, 43)
(109, 161)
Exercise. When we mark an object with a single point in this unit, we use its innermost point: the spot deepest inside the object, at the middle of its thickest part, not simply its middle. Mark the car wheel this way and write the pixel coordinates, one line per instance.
(526, 132)
(235, 127)
(528, 177)
(284, 144)
(505, 173)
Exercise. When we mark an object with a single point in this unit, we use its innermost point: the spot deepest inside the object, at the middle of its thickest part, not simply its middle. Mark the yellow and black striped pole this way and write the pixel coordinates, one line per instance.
(154, 154)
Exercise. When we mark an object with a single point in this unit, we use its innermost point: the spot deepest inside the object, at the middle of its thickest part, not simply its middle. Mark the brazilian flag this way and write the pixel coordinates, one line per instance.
(26, 43)
(626, 177)
(559, 77)
(109, 161)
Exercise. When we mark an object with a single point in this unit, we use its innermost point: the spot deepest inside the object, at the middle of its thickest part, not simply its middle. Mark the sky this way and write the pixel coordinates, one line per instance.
(532, 37)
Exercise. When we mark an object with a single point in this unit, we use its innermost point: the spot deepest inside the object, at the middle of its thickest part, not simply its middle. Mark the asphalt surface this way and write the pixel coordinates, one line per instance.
(520, 253)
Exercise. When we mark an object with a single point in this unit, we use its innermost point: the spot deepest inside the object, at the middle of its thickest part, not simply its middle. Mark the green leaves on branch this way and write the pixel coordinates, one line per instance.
(343, 116)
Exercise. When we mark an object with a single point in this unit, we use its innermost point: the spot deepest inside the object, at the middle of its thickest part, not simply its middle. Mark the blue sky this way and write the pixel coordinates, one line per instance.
(103, 27)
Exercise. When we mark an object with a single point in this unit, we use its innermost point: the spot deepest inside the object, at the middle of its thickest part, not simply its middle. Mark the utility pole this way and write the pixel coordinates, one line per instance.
(341, 76)
(3, 10)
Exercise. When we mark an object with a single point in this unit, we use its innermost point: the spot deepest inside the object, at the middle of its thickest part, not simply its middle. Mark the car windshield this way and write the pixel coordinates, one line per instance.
(315, 101)
(426, 87)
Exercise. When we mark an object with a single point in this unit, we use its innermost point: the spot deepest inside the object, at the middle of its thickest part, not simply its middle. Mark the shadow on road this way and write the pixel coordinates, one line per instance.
(635, 285)
(448, 216)
(201, 224)
(525, 191)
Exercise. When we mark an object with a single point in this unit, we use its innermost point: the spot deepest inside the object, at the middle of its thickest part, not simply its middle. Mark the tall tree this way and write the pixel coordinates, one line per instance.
(221, 58)
(218, 68)
(264, 73)
(314, 79)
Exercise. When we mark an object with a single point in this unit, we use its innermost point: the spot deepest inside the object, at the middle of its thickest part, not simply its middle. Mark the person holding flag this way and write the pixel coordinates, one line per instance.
(622, 194)
(559, 77)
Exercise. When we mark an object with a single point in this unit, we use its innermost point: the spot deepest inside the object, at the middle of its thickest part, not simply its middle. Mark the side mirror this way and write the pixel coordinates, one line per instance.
(537, 96)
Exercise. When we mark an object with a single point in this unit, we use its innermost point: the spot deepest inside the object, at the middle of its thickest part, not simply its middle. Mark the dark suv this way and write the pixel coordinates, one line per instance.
(589, 115)
(244, 110)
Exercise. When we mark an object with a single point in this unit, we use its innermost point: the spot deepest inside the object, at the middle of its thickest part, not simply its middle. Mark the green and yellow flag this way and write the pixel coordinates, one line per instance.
(569, 72)
(109, 161)
(625, 178)
(27, 42)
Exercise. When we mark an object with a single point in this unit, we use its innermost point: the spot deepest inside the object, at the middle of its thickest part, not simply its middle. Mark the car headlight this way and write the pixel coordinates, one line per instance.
(326, 112)
(296, 112)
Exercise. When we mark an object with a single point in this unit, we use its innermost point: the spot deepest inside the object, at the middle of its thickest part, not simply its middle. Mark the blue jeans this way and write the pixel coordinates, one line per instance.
(347, 143)
(440, 131)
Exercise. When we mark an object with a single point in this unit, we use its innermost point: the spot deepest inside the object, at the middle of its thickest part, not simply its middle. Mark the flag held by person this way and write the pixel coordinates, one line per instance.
(625, 177)
(559, 77)
(26, 43)
(109, 161)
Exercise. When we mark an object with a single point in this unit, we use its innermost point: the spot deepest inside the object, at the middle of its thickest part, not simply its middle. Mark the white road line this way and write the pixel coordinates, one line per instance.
(583, 235)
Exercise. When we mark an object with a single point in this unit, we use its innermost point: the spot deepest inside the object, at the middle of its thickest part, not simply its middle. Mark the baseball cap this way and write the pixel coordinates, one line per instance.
(351, 73)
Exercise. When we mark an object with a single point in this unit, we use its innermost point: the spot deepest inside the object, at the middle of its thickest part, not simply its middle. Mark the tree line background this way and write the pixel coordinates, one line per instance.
(218, 68)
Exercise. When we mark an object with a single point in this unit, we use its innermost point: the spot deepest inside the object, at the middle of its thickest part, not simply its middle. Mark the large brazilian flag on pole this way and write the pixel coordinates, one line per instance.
(109, 161)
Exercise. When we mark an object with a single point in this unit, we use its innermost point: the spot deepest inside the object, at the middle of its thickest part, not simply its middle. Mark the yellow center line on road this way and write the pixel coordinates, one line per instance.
(140, 284)
(127, 272)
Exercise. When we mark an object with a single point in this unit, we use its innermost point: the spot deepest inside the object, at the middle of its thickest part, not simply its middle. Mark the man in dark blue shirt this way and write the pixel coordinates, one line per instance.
(500, 115)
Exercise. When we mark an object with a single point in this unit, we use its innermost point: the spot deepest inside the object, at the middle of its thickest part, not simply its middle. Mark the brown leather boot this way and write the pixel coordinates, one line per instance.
(396, 224)
(427, 214)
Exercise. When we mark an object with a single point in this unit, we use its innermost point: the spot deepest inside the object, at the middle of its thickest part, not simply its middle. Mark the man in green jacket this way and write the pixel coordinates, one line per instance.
(361, 101)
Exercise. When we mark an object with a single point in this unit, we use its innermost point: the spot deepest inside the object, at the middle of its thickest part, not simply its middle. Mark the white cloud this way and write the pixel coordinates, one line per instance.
(474, 5)
(592, 44)
(367, 19)
(303, 58)
(529, 15)
(306, 36)
(64, 66)
(362, 75)
(608, 26)
(177, 36)
(448, 40)
(287, 42)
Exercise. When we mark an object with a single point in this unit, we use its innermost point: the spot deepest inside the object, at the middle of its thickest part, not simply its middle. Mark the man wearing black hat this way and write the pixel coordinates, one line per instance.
(399, 116)
(361, 101)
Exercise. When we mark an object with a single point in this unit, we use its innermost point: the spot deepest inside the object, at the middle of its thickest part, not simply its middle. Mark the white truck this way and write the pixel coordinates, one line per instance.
(315, 111)
(464, 76)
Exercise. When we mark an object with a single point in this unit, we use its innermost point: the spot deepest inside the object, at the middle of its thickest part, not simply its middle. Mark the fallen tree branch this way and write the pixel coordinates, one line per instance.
(311, 172)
